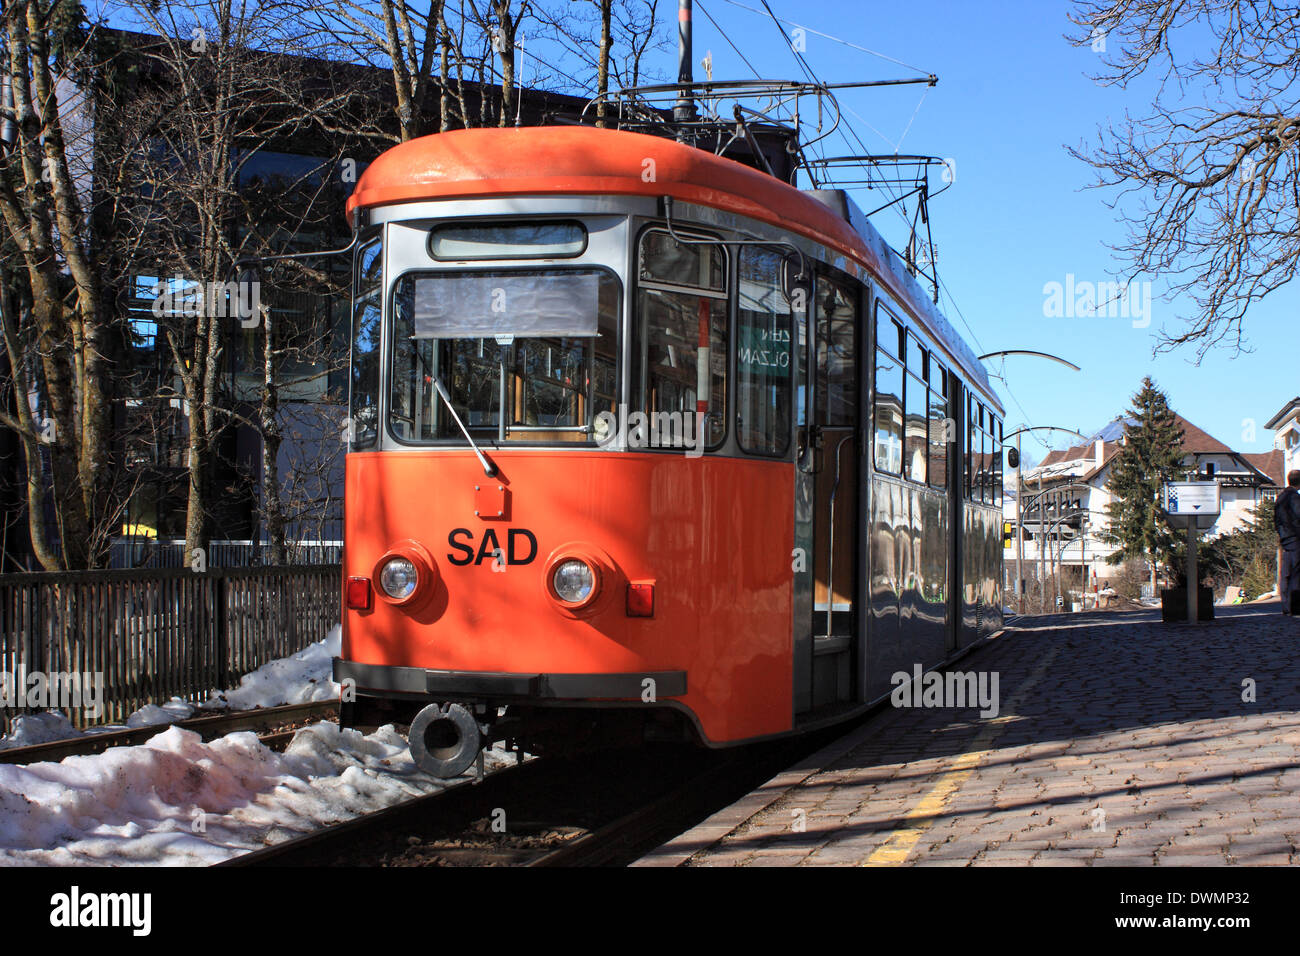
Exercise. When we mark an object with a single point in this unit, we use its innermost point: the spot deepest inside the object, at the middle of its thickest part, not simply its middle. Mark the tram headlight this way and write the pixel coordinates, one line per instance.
(398, 578)
(573, 581)
(406, 575)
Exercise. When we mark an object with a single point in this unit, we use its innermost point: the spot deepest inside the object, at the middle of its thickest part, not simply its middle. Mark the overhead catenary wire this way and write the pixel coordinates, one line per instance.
(728, 40)
(812, 77)
(831, 37)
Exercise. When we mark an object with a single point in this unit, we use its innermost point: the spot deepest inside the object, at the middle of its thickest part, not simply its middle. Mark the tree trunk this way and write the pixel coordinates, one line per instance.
(272, 506)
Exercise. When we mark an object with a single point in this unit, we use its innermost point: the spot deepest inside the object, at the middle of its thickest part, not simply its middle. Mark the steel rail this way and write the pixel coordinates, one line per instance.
(207, 727)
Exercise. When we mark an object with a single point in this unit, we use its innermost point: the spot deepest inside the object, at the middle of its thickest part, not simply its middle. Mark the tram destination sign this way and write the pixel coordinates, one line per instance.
(1192, 498)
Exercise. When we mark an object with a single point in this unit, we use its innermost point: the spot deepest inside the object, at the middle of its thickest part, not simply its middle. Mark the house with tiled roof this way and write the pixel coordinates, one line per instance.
(1063, 500)
(1271, 463)
(1285, 426)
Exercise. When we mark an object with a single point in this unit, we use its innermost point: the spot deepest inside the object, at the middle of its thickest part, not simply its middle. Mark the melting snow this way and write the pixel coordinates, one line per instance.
(176, 800)
(179, 801)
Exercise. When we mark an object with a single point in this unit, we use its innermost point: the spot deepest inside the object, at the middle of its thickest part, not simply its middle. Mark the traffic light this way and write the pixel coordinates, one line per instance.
(1007, 527)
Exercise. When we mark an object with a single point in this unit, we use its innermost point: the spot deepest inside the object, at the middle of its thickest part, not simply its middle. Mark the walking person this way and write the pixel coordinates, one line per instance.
(1286, 519)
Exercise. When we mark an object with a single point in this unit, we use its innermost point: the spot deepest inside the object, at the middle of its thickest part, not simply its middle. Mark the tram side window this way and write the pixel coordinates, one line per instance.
(889, 334)
(986, 464)
(837, 327)
(972, 451)
(916, 450)
(364, 398)
(763, 354)
(938, 426)
(888, 441)
(682, 316)
(981, 449)
(998, 461)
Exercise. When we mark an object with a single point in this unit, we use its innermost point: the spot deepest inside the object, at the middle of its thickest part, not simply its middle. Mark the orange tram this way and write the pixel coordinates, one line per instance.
(646, 444)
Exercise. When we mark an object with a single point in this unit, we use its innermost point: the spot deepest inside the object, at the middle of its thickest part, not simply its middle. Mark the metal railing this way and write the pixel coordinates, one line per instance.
(151, 635)
(127, 553)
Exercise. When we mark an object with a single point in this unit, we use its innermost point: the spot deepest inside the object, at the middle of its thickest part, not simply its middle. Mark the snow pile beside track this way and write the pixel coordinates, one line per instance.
(179, 801)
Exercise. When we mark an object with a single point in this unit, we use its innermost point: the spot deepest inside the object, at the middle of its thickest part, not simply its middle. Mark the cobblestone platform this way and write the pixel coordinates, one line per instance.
(1119, 741)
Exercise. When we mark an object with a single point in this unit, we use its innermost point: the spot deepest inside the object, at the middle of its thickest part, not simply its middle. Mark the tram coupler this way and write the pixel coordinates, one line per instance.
(445, 740)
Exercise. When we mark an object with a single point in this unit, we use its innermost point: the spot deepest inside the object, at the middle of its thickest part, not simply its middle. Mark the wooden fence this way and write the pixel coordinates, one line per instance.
(130, 553)
(157, 634)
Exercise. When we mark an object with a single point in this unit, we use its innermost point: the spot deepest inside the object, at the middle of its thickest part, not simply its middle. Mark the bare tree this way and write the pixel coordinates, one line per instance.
(215, 103)
(406, 41)
(56, 339)
(1207, 178)
(608, 40)
(447, 58)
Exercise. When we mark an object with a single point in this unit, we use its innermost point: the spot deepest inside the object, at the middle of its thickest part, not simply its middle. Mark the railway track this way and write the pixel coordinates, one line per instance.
(282, 721)
(599, 809)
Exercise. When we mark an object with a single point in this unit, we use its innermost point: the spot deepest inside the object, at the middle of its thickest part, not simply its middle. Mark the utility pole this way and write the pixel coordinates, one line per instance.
(1083, 564)
(1020, 543)
(684, 109)
(1042, 548)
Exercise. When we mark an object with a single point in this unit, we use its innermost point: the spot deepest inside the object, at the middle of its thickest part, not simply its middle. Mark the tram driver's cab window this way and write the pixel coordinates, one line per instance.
(525, 355)
(363, 424)
(681, 354)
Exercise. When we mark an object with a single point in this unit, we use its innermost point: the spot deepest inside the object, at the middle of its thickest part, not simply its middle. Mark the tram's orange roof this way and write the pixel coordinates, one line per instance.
(577, 160)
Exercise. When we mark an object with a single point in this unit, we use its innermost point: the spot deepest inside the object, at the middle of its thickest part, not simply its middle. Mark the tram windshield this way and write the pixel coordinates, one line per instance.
(525, 355)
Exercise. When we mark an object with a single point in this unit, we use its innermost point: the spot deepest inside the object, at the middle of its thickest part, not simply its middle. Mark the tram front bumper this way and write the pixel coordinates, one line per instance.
(417, 683)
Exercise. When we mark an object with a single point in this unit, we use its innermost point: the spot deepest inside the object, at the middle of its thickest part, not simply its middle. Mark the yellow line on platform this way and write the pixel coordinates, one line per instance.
(904, 839)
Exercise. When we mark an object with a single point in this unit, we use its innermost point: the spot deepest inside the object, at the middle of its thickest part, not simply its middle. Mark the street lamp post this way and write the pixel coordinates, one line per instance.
(1020, 591)
(1058, 557)
(1020, 538)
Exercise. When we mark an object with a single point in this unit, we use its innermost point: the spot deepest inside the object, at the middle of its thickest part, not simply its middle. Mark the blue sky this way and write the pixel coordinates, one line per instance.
(1012, 94)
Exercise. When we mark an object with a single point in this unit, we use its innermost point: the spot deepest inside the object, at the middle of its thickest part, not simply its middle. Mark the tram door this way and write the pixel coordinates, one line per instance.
(830, 477)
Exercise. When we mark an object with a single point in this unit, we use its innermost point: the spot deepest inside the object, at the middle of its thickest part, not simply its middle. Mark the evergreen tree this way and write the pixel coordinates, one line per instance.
(1247, 557)
(1151, 454)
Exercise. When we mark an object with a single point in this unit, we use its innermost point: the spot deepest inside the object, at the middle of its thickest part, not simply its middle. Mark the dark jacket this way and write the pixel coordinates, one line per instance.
(1286, 518)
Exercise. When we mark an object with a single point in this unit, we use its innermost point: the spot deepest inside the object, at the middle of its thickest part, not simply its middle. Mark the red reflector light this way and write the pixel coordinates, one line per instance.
(358, 594)
(640, 600)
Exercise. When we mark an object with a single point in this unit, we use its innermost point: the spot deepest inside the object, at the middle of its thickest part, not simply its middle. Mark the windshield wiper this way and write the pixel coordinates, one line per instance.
(489, 467)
